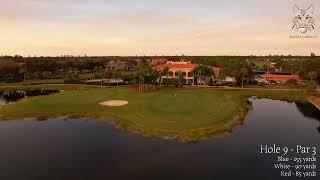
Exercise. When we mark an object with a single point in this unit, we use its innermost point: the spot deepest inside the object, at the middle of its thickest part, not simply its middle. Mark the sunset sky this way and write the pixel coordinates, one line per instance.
(152, 27)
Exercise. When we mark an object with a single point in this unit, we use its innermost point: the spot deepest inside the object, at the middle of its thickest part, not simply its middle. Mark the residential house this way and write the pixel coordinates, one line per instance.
(153, 61)
(279, 78)
(120, 65)
(183, 67)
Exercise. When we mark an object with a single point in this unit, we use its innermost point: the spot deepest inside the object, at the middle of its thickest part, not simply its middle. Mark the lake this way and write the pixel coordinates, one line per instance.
(7, 97)
(60, 149)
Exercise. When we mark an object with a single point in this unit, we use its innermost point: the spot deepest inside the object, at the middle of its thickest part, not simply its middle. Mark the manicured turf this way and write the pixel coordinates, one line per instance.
(164, 111)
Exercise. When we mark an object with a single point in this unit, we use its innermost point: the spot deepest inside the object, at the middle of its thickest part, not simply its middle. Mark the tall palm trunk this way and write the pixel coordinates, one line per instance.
(242, 81)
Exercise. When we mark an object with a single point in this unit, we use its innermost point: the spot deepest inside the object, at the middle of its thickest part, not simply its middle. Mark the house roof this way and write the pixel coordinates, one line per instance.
(276, 77)
(179, 65)
(20, 64)
(215, 68)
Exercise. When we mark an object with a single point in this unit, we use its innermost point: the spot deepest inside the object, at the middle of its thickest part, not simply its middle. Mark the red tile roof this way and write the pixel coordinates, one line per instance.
(215, 68)
(276, 77)
(183, 66)
(20, 64)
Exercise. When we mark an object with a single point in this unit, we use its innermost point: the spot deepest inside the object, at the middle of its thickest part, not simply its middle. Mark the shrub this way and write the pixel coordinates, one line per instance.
(311, 86)
(292, 82)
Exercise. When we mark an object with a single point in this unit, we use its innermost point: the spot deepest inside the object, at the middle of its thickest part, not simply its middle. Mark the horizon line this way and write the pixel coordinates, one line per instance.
(182, 55)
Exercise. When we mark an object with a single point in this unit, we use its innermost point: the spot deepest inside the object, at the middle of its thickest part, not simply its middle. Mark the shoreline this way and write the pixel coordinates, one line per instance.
(314, 100)
(139, 123)
(195, 87)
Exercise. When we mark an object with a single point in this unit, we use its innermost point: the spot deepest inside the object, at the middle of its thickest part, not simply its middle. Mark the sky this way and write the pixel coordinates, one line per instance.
(153, 27)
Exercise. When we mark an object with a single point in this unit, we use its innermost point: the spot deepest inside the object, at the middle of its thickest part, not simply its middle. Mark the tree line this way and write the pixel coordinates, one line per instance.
(239, 67)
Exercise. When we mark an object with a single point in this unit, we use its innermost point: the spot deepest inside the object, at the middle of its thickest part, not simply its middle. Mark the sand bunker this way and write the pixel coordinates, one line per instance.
(114, 103)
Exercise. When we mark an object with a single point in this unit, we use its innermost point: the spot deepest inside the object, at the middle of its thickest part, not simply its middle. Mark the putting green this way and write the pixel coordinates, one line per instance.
(186, 115)
(166, 109)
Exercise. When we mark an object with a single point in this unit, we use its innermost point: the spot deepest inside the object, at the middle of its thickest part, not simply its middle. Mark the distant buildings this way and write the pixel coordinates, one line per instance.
(229, 79)
(17, 64)
(270, 75)
(120, 66)
(274, 75)
(153, 61)
(279, 78)
(128, 65)
(185, 68)
(110, 82)
(272, 65)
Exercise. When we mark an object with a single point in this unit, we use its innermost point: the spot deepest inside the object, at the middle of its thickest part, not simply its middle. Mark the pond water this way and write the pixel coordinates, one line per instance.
(7, 97)
(79, 149)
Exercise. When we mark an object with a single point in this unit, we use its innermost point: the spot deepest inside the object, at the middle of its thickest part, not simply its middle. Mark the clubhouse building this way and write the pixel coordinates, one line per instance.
(185, 68)
(280, 78)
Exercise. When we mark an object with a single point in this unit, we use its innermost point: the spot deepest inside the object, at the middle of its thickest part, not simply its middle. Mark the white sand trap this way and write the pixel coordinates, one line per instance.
(114, 103)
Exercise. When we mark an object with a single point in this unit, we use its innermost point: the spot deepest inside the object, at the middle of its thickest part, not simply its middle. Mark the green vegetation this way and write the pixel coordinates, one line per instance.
(86, 76)
(261, 64)
(33, 82)
(67, 87)
(17, 68)
(185, 115)
(312, 84)
(203, 73)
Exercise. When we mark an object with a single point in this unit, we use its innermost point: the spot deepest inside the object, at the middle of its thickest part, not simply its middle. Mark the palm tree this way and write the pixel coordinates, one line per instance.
(143, 74)
(108, 75)
(140, 78)
(208, 72)
(165, 72)
(222, 75)
(117, 75)
(312, 75)
(243, 72)
(180, 79)
(98, 72)
(234, 74)
(155, 76)
(202, 72)
(24, 70)
(197, 71)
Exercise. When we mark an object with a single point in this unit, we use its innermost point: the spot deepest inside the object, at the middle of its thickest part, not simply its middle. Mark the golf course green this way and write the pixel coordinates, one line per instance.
(185, 115)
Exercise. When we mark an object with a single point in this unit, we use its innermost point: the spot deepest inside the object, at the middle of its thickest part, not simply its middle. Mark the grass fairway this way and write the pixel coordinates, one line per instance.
(186, 115)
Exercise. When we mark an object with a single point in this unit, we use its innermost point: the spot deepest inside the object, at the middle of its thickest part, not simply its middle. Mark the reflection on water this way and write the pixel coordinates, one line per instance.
(309, 110)
(13, 96)
(2, 101)
(78, 149)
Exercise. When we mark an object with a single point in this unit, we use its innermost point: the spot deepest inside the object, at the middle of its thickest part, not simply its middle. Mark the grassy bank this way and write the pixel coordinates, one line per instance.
(315, 100)
(48, 87)
(185, 115)
(31, 82)
(58, 80)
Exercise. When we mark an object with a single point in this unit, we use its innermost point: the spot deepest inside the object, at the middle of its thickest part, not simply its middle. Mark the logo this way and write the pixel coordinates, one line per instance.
(303, 20)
